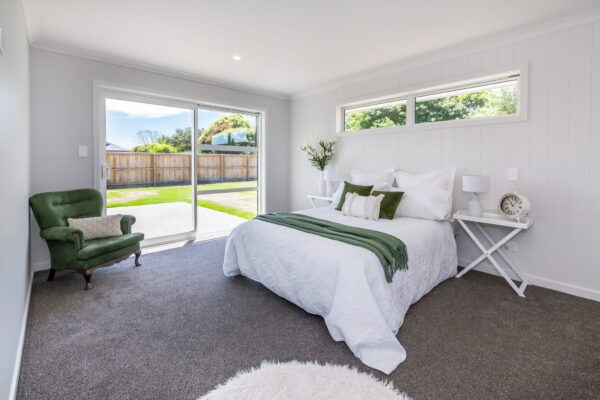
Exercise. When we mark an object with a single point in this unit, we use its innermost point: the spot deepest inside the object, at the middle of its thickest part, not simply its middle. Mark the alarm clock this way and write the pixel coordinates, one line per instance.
(514, 205)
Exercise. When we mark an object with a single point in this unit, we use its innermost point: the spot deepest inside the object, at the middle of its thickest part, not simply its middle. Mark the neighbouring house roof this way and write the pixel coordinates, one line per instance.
(115, 148)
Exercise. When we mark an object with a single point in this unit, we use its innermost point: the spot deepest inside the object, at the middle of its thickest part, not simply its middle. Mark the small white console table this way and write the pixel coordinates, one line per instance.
(494, 219)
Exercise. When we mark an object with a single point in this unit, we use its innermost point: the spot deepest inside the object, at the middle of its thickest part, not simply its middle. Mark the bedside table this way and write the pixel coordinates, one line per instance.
(314, 200)
(496, 220)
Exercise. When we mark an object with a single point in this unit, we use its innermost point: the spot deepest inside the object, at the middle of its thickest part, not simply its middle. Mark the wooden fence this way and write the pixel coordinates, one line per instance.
(156, 169)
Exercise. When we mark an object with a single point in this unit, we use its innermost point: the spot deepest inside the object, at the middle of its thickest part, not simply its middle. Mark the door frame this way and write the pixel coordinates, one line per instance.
(102, 89)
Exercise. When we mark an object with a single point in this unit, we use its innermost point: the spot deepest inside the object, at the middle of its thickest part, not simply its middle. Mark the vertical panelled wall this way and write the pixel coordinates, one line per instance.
(557, 149)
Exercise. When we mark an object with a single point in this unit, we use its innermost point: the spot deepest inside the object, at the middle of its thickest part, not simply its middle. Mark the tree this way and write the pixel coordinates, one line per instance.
(377, 118)
(147, 136)
(449, 108)
(229, 121)
(154, 148)
(494, 102)
(181, 140)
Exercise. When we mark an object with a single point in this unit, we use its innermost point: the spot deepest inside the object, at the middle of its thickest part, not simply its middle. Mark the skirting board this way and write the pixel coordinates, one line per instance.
(19, 357)
(41, 266)
(538, 281)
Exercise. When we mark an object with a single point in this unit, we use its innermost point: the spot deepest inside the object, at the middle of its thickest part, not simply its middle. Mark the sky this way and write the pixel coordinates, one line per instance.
(125, 118)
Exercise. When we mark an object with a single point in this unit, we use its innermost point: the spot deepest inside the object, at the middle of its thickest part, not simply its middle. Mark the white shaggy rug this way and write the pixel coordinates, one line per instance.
(296, 380)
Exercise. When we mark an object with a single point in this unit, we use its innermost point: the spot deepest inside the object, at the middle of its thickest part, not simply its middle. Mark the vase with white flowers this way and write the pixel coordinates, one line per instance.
(319, 156)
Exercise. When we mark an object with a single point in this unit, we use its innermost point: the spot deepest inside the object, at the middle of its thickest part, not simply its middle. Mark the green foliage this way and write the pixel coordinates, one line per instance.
(181, 140)
(234, 137)
(230, 121)
(470, 105)
(376, 118)
(502, 101)
(154, 148)
(449, 108)
(320, 155)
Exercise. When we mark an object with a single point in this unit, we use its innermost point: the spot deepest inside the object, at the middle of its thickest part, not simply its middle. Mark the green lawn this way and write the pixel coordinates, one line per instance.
(171, 194)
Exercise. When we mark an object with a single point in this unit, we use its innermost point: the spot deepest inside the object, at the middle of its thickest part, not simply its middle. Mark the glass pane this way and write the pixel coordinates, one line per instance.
(489, 100)
(380, 115)
(227, 170)
(148, 148)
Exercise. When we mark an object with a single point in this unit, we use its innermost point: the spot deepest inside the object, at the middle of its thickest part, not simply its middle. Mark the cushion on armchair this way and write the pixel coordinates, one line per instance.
(97, 227)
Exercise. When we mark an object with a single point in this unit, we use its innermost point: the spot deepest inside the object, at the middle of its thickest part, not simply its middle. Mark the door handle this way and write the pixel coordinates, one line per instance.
(105, 172)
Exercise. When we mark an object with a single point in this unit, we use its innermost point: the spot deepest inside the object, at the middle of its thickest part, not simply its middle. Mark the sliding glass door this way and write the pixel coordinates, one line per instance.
(148, 165)
(184, 170)
(227, 174)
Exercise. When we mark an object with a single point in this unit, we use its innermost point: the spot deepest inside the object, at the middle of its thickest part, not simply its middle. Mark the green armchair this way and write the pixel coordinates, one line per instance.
(68, 249)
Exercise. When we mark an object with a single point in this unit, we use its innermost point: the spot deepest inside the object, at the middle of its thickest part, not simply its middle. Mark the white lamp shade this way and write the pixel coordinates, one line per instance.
(475, 183)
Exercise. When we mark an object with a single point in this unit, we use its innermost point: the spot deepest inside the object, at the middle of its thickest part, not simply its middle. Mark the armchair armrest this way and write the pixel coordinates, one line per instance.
(64, 234)
(126, 222)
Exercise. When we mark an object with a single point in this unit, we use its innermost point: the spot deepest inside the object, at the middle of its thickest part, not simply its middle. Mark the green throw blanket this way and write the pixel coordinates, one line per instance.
(390, 250)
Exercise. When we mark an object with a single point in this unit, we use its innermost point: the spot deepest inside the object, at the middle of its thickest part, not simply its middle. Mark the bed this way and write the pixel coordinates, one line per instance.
(345, 284)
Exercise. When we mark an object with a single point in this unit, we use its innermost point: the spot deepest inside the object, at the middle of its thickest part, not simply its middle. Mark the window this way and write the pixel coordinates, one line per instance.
(491, 97)
(377, 115)
(484, 100)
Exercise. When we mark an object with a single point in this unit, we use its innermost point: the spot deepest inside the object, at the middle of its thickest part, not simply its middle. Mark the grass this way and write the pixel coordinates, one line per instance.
(170, 194)
(225, 209)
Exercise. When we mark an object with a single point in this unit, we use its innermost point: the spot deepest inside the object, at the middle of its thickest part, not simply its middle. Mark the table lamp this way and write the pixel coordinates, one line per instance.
(475, 184)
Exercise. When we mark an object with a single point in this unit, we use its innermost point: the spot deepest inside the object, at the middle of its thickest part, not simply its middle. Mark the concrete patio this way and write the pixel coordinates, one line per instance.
(156, 220)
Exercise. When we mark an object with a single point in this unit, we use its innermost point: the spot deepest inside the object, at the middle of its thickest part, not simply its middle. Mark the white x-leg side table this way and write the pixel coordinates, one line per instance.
(314, 200)
(494, 219)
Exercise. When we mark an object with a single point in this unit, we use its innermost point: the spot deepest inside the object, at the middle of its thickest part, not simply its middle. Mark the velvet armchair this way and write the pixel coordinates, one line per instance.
(68, 249)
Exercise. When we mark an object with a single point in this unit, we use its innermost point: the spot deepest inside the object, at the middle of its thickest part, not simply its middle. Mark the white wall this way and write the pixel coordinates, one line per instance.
(62, 119)
(557, 149)
(14, 194)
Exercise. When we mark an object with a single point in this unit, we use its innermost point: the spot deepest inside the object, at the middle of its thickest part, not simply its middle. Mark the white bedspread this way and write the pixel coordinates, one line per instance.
(345, 284)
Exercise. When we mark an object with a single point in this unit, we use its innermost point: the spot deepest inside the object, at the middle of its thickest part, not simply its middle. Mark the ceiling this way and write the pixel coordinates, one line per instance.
(286, 46)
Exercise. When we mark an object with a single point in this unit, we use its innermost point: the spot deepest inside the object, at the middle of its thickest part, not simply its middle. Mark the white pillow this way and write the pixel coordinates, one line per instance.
(427, 195)
(385, 177)
(442, 180)
(97, 227)
(337, 195)
(431, 204)
(366, 207)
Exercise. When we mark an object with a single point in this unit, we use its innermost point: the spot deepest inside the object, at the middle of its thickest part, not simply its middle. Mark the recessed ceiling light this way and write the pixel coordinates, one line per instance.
(237, 58)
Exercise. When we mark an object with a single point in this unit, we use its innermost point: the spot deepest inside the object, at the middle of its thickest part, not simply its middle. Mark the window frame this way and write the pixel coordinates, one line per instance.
(373, 104)
(457, 83)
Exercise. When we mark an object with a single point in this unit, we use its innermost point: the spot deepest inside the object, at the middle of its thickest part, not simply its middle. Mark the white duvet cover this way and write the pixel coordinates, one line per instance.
(345, 284)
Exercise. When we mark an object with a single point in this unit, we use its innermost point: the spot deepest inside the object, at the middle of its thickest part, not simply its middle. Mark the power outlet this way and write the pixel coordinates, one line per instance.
(512, 174)
(511, 246)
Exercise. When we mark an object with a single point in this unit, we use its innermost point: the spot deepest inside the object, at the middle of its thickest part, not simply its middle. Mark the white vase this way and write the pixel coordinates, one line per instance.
(322, 189)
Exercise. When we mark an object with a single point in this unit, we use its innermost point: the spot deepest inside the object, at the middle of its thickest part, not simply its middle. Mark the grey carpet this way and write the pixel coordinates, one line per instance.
(176, 327)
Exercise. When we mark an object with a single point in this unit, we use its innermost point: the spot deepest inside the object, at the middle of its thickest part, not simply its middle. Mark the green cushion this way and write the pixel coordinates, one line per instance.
(105, 258)
(389, 204)
(352, 188)
(97, 247)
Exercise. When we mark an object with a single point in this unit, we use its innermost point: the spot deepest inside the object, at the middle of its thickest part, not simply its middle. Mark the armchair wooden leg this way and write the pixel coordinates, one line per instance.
(87, 275)
(137, 258)
(51, 274)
